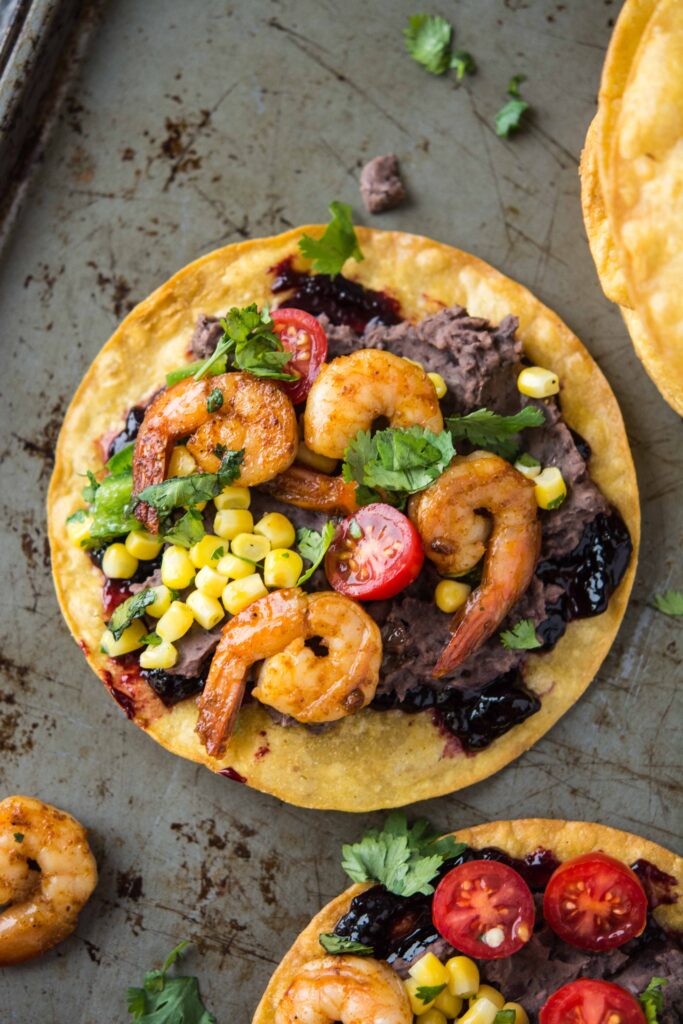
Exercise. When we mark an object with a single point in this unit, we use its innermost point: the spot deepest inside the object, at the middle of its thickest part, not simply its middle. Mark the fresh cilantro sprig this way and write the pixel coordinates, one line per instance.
(522, 636)
(313, 547)
(427, 993)
(670, 602)
(187, 531)
(509, 117)
(404, 858)
(131, 609)
(337, 244)
(164, 1000)
(395, 462)
(652, 999)
(249, 343)
(339, 944)
(463, 64)
(428, 39)
(181, 491)
(486, 429)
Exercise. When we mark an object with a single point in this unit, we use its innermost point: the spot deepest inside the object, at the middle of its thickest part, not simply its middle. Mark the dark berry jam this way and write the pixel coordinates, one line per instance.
(341, 300)
(129, 432)
(230, 773)
(387, 922)
(657, 884)
(172, 688)
(114, 593)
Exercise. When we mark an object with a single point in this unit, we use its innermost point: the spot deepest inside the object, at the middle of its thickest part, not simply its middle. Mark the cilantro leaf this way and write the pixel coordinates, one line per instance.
(428, 41)
(332, 943)
(187, 531)
(337, 245)
(122, 460)
(398, 461)
(111, 516)
(652, 999)
(514, 84)
(132, 608)
(495, 433)
(505, 1017)
(151, 639)
(249, 343)
(313, 546)
(164, 1000)
(463, 64)
(427, 993)
(179, 491)
(89, 492)
(214, 401)
(522, 636)
(670, 602)
(18, 837)
(509, 117)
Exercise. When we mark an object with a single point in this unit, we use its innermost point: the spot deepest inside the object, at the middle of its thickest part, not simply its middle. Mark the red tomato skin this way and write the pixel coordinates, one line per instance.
(588, 1001)
(445, 909)
(588, 867)
(397, 575)
(297, 390)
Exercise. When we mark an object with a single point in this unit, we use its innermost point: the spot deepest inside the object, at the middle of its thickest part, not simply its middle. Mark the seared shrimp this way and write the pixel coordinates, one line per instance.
(353, 391)
(349, 989)
(255, 415)
(292, 679)
(455, 536)
(43, 905)
(308, 488)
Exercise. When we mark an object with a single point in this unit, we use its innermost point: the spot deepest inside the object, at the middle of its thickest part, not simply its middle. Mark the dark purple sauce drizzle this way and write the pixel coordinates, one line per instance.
(130, 431)
(172, 688)
(230, 773)
(657, 884)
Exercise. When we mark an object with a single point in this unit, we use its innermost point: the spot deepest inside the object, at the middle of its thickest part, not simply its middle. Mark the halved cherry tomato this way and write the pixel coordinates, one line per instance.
(591, 1002)
(374, 554)
(595, 902)
(485, 909)
(301, 334)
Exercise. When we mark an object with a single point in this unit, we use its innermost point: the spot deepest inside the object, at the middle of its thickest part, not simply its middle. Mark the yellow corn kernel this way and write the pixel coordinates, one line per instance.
(463, 976)
(528, 466)
(234, 568)
(210, 582)
(175, 622)
(204, 551)
(118, 563)
(250, 546)
(550, 489)
(313, 460)
(181, 462)
(230, 522)
(239, 594)
(163, 655)
(177, 569)
(277, 528)
(449, 595)
(439, 384)
(521, 1016)
(537, 382)
(490, 993)
(161, 603)
(417, 1006)
(282, 568)
(233, 497)
(207, 611)
(481, 1011)
(449, 1004)
(78, 528)
(143, 545)
(429, 971)
(433, 1016)
(129, 640)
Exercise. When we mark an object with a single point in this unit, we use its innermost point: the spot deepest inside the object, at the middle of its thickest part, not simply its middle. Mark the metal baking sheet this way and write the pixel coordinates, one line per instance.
(193, 125)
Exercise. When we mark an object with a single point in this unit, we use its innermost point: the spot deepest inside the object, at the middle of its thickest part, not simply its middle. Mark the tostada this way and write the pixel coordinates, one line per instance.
(560, 922)
(354, 539)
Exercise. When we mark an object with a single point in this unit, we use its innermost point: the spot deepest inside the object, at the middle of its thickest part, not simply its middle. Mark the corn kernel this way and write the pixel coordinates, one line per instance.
(528, 466)
(118, 563)
(282, 568)
(181, 462)
(538, 382)
(143, 545)
(521, 1016)
(439, 384)
(433, 1016)
(239, 594)
(177, 569)
(207, 551)
(78, 528)
(490, 993)
(449, 595)
(207, 611)
(175, 622)
(463, 976)
(250, 546)
(163, 655)
(449, 1004)
(429, 971)
(234, 568)
(129, 640)
(161, 603)
(230, 522)
(277, 528)
(482, 1011)
(550, 489)
(307, 457)
(411, 986)
(210, 582)
(233, 497)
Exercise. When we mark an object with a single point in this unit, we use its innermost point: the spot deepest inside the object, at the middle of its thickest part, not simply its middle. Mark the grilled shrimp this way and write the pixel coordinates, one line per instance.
(307, 488)
(43, 906)
(255, 415)
(353, 391)
(455, 536)
(349, 989)
(292, 679)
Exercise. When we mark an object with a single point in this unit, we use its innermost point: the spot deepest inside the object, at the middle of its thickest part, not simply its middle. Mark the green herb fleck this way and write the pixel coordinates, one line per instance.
(219, 365)
(313, 546)
(181, 491)
(188, 530)
(397, 461)
(214, 401)
(428, 41)
(652, 999)
(131, 609)
(164, 1000)
(527, 460)
(152, 639)
(556, 502)
(89, 492)
(332, 943)
(522, 636)
(122, 460)
(670, 602)
(337, 244)
(509, 117)
(495, 433)
(514, 84)
(463, 64)
(218, 553)
(249, 343)
(427, 993)
(18, 837)
(505, 1017)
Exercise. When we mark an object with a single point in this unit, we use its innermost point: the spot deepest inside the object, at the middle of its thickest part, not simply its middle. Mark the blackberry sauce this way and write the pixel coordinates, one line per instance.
(172, 688)
(129, 432)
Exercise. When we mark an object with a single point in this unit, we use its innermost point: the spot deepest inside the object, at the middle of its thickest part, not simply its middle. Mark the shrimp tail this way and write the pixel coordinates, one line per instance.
(219, 711)
(309, 489)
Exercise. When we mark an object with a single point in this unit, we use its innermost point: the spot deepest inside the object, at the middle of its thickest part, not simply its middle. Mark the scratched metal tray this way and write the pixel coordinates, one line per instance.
(192, 125)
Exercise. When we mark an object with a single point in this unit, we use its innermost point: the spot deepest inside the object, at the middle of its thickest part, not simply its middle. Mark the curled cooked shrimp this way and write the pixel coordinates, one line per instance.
(455, 536)
(349, 989)
(308, 488)
(293, 679)
(255, 415)
(353, 391)
(43, 905)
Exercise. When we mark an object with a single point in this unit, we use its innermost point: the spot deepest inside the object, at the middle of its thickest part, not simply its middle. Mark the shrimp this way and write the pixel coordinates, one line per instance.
(43, 905)
(349, 989)
(307, 488)
(293, 679)
(456, 535)
(255, 415)
(353, 391)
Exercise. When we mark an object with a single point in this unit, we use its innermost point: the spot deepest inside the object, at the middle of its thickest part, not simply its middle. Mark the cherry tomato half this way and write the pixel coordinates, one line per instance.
(591, 1002)
(301, 334)
(485, 909)
(374, 554)
(595, 902)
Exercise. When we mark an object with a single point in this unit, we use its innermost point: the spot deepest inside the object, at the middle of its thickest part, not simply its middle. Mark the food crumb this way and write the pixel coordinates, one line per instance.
(380, 184)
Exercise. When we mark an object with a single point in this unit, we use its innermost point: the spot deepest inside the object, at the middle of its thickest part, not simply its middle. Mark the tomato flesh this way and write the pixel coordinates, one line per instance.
(302, 335)
(485, 909)
(375, 553)
(591, 1002)
(595, 902)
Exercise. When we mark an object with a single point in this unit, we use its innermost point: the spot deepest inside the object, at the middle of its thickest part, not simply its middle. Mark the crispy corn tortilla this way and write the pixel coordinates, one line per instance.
(566, 839)
(374, 759)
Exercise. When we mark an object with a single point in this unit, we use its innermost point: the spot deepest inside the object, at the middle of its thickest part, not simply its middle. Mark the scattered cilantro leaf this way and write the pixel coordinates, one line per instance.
(397, 461)
(18, 837)
(249, 343)
(337, 244)
(164, 1000)
(426, 993)
(556, 502)
(495, 433)
(670, 602)
(509, 117)
(652, 999)
(463, 64)
(214, 401)
(122, 460)
(527, 460)
(522, 636)
(332, 943)
(514, 84)
(313, 546)
(89, 492)
(131, 609)
(428, 41)
(219, 552)
(187, 531)
(111, 516)
(219, 365)
(151, 639)
(505, 1017)
(180, 491)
